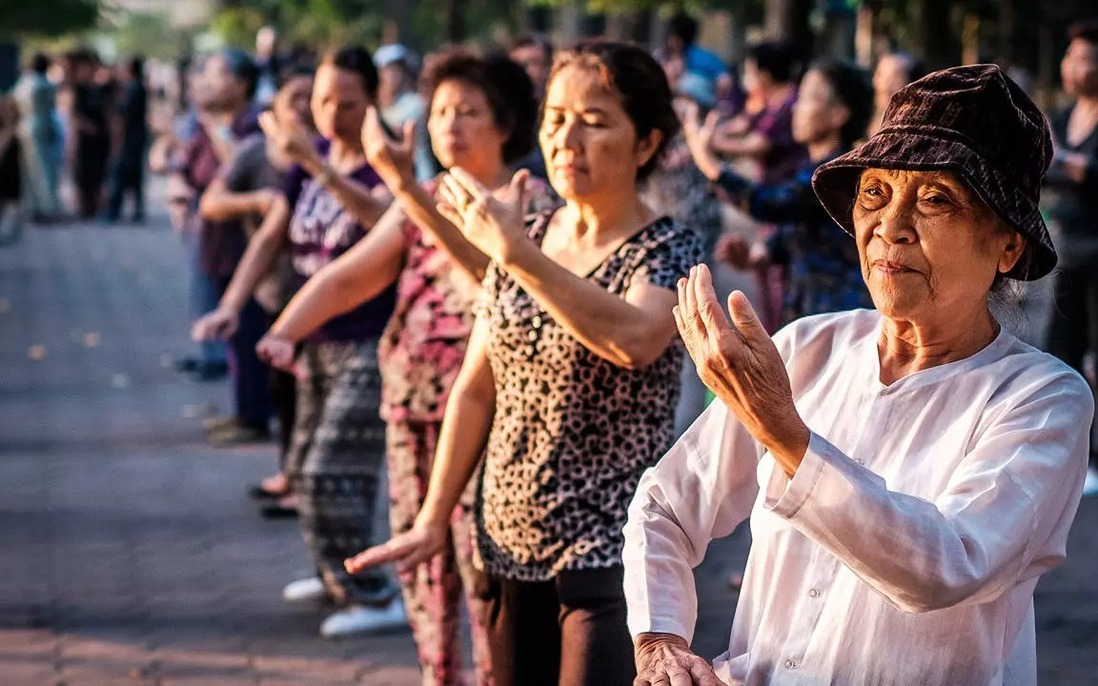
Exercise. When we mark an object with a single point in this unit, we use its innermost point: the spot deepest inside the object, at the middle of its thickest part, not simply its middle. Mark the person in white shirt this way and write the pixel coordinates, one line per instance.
(909, 472)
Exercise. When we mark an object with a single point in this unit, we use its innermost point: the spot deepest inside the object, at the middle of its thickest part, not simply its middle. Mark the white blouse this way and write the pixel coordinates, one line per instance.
(906, 547)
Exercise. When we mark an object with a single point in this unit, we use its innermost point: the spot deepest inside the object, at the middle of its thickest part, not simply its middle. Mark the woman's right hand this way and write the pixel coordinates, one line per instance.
(393, 160)
(664, 659)
(289, 137)
(220, 324)
(408, 550)
(276, 351)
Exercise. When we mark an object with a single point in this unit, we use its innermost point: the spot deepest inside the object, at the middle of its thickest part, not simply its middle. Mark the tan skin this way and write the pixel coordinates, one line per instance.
(463, 132)
(291, 104)
(930, 250)
(339, 103)
(592, 152)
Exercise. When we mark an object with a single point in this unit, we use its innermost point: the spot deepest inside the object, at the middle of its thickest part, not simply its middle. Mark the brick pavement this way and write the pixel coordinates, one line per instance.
(128, 554)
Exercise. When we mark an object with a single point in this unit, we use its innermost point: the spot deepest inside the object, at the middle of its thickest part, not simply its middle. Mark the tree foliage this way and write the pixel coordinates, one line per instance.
(20, 18)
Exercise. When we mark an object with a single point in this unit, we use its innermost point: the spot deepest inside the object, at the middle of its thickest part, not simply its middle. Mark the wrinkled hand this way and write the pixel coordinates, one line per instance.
(393, 160)
(666, 660)
(290, 138)
(220, 324)
(276, 351)
(742, 366)
(408, 550)
(493, 223)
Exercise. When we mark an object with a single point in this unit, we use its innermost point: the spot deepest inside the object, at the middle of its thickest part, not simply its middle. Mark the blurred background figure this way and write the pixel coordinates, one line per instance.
(1069, 201)
(90, 121)
(682, 35)
(894, 71)
(400, 103)
(269, 63)
(42, 135)
(128, 177)
(535, 53)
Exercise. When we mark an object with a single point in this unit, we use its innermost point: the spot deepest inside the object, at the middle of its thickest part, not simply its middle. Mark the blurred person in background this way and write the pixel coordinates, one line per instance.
(894, 71)
(682, 36)
(37, 98)
(330, 200)
(128, 174)
(227, 117)
(246, 189)
(535, 53)
(401, 103)
(11, 173)
(90, 118)
(1071, 189)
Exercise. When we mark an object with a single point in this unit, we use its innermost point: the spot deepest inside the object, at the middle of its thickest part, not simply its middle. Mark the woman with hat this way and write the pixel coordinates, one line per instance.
(909, 472)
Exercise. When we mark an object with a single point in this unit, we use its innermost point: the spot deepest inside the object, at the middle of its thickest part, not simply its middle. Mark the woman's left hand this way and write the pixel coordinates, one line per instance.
(290, 138)
(742, 366)
(491, 222)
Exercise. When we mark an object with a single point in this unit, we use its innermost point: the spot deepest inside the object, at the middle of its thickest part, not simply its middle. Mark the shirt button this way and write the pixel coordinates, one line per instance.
(533, 335)
(861, 462)
(814, 593)
(790, 664)
(536, 321)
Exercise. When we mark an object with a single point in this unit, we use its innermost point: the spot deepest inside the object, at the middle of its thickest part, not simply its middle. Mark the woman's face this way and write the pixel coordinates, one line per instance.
(928, 243)
(890, 76)
(816, 114)
(1079, 68)
(292, 101)
(339, 103)
(463, 130)
(589, 142)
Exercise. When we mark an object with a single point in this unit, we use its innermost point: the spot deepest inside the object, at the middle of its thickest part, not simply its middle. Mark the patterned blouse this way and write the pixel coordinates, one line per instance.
(424, 343)
(572, 432)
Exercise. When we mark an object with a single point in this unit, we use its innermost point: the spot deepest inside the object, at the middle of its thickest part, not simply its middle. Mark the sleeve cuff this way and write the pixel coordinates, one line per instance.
(785, 496)
(731, 182)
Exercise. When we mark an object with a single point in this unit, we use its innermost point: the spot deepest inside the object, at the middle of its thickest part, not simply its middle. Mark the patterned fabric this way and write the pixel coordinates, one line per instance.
(432, 597)
(824, 272)
(335, 461)
(424, 344)
(572, 432)
(972, 120)
(679, 189)
(321, 230)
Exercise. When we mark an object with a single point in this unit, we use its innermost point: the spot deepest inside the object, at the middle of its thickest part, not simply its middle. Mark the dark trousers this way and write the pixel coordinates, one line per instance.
(89, 173)
(249, 374)
(569, 631)
(128, 178)
(1071, 329)
(284, 397)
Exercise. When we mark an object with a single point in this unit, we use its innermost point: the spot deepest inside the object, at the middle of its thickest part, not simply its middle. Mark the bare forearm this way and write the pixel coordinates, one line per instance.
(420, 208)
(224, 205)
(751, 145)
(255, 264)
(353, 196)
(329, 294)
(604, 323)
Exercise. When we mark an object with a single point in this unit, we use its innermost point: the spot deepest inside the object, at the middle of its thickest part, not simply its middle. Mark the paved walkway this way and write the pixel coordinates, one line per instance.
(128, 553)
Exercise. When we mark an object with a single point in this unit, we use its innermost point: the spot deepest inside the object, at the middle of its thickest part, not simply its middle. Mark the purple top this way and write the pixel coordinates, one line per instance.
(321, 230)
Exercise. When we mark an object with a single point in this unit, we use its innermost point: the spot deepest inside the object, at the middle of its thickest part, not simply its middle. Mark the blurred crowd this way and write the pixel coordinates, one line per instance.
(325, 203)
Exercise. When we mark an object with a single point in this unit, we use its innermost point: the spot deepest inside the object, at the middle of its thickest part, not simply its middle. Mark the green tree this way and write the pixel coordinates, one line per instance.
(19, 18)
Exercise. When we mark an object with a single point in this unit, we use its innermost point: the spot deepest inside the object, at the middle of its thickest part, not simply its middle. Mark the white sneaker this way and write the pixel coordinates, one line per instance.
(1090, 486)
(360, 618)
(305, 590)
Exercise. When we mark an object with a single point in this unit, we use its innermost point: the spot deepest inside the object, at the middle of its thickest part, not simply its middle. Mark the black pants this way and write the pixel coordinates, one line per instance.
(128, 179)
(1071, 330)
(566, 632)
(284, 398)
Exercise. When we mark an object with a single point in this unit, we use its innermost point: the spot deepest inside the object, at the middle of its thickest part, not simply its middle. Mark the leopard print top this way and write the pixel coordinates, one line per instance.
(572, 432)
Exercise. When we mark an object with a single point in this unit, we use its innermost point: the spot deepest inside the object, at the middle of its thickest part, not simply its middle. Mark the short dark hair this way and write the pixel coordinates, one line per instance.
(774, 58)
(1085, 30)
(242, 67)
(356, 59)
(684, 27)
(641, 86)
(136, 66)
(506, 87)
(534, 40)
(40, 63)
(854, 91)
(292, 72)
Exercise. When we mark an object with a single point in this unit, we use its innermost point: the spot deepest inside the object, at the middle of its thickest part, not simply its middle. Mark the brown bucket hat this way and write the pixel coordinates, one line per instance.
(974, 121)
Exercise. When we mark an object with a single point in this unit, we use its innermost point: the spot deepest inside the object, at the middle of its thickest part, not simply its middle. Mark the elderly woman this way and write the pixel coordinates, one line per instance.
(570, 376)
(910, 472)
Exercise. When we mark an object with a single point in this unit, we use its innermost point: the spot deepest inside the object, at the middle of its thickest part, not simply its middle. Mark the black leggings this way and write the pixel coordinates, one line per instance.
(1071, 324)
(569, 631)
